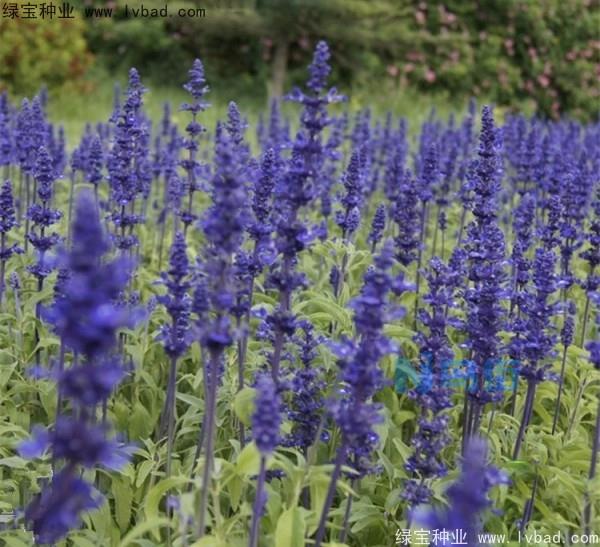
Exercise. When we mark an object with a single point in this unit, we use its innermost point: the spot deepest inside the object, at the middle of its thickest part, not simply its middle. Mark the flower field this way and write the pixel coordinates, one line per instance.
(323, 328)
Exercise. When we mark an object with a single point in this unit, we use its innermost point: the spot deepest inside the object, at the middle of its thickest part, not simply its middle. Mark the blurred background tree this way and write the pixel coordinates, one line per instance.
(42, 51)
(543, 54)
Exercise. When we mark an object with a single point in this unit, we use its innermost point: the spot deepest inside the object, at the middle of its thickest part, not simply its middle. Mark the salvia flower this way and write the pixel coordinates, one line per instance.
(432, 394)
(306, 406)
(266, 419)
(405, 214)
(42, 215)
(224, 225)
(87, 319)
(261, 228)
(485, 248)
(6, 137)
(348, 218)
(377, 226)
(7, 221)
(54, 512)
(468, 496)
(539, 336)
(93, 168)
(123, 162)
(177, 301)
(359, 360)
(314, 117)
(295, 189)
(197, 88)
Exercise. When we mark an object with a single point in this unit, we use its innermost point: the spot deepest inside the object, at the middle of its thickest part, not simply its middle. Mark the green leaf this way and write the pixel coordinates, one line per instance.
(143, 528)
(140, 424)
(243, 404)
(102, 521)
(234, 486)
(123, 494)
(318, 484)
(291, 528)
(82, 542)
(248, 461)
(14, 542)
(209, 541)
(15, 462)
(519, 467)
(143, 471)
(155, 495)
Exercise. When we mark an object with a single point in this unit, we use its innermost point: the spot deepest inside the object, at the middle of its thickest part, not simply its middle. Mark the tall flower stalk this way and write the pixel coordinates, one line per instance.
(123, 173)
(266, 422)
(43, 216)
(224, 226)
(87, 320)
(594, 348)
(176, 336)
(297, 188)
(250, 266)
(468, 496)
(353, 410)
(539, 337)
(486, 259)
(197, 88)
(7, 223)
(377, 227)
(432, 394)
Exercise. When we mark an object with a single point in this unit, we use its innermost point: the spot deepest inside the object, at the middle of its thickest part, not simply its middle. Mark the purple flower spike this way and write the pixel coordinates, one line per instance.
(266, 419)
(58, 508)
(468, 497)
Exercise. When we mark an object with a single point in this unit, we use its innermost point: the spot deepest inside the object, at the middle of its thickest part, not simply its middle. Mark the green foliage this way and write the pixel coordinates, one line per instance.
(36, 52)
(538, 55)
(136, 512)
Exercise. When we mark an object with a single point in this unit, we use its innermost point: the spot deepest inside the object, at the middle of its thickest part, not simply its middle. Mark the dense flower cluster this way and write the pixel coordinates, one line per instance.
(42, 215)
(306, 407)
(87, 321)
(432, 394)
(7, 223)
(359, 358)
(276, 362)
(125, 164)
(485, 248)
(468, 496)
(266, 419)
(295, 188)
(177, 300)
(197, 88)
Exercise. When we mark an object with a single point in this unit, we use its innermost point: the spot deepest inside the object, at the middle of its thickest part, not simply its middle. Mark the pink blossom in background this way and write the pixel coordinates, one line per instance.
(304, 43)
(532, 53)
(415, 56)
(543, 80)
(430, 76)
